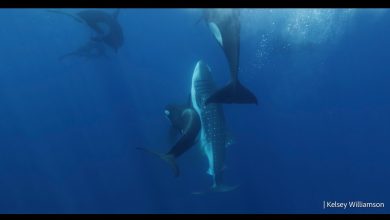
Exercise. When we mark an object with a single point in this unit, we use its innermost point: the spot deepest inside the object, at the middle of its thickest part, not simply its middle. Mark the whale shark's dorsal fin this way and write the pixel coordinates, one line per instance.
(116, 13)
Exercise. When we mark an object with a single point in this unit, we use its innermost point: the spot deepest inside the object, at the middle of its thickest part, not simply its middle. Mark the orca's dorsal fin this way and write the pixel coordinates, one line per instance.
(116, 13)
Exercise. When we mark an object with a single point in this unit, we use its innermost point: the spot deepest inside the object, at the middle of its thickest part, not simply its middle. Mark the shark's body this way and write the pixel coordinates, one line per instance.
(225, 26)
(213, 134)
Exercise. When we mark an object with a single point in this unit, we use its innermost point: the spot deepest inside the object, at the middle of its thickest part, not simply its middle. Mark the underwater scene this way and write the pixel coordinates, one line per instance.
(185, 110)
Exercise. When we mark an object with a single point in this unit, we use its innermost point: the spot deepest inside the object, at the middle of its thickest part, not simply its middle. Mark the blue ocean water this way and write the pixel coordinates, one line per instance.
(69, 129)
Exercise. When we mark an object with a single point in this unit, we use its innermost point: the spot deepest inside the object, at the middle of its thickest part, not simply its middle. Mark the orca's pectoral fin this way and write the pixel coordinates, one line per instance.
(234, 92)
(170, 159)
(65, 13)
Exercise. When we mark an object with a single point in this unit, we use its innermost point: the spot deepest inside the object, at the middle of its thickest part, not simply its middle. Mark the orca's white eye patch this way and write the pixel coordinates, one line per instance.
(216, 32)
(166, 112)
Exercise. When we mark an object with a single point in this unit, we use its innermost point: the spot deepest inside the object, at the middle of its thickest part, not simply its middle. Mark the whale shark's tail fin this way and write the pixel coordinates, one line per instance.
(170, 159)
(234, 92)
(65, 13)
(218, 188)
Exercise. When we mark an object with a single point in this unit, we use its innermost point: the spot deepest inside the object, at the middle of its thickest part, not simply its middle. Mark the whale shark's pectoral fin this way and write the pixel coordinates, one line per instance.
(229, 139)
(214, 189)
(234, 92)
(170, 159)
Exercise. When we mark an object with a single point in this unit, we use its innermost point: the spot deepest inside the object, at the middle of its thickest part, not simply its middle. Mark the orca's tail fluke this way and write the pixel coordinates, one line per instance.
(65, 13)
(170, 159)
(234, 92)
(218, 188)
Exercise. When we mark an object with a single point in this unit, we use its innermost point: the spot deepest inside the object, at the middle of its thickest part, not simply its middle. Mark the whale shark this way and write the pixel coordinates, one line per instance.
(225, 26)
(214, 137)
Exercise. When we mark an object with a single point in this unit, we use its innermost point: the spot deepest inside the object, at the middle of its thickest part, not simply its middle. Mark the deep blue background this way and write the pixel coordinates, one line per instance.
(68, 130)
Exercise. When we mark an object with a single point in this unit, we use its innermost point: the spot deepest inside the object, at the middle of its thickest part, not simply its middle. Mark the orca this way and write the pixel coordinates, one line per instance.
(186, 120)
(225, 26)
(105, 25)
